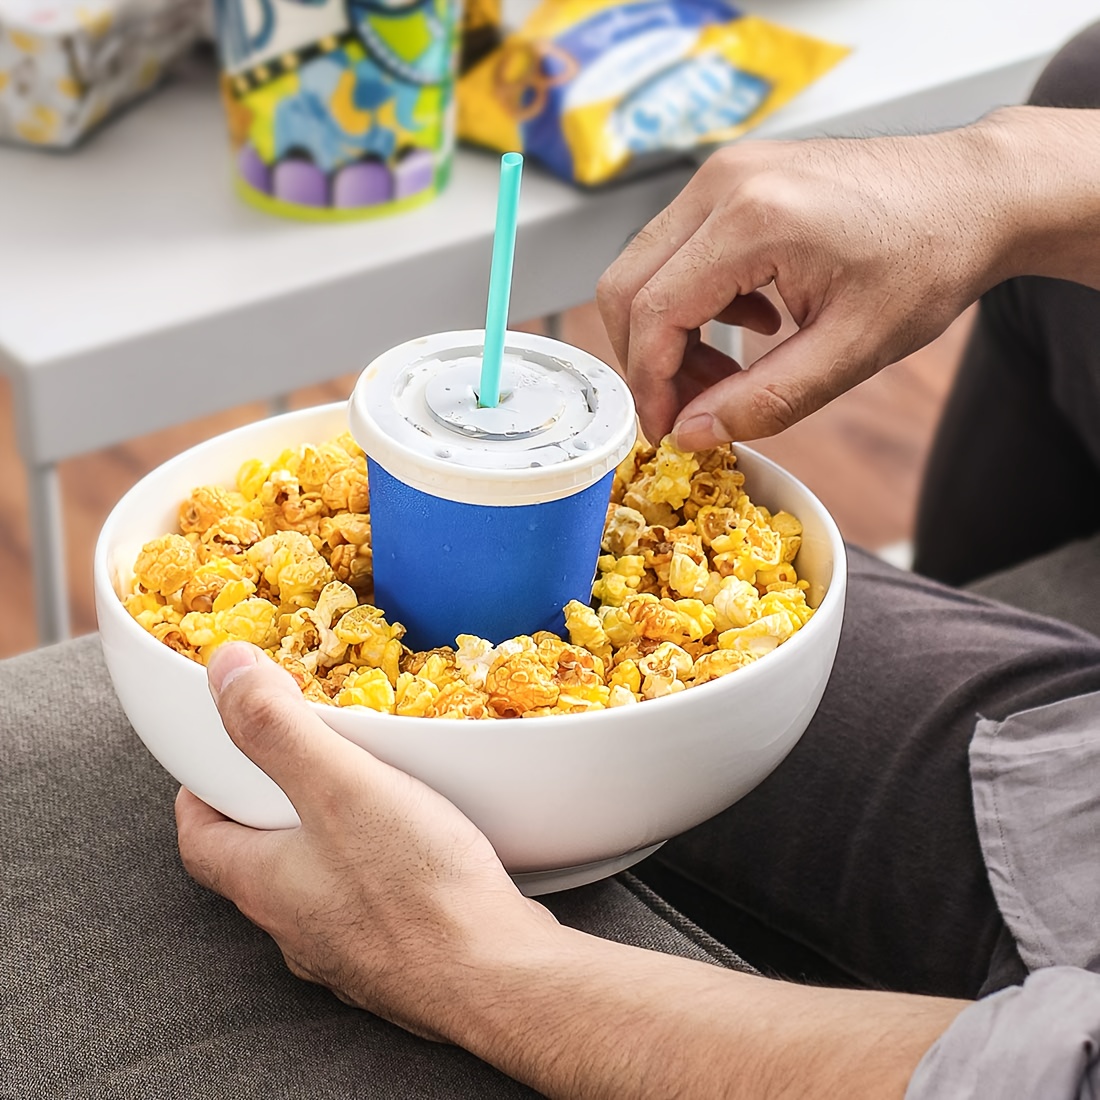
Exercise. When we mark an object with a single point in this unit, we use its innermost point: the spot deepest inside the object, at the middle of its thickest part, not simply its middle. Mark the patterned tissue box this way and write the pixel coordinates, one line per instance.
(65, 65)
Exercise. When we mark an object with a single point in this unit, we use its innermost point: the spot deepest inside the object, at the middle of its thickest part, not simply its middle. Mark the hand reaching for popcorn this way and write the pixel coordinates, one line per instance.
(875, 246)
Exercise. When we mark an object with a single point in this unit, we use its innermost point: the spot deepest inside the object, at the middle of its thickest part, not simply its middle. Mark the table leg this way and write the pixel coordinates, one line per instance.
(553, 323)
(51, 590)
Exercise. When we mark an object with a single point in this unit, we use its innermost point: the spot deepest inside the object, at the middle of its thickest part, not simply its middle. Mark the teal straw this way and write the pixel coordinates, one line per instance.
(500, 280)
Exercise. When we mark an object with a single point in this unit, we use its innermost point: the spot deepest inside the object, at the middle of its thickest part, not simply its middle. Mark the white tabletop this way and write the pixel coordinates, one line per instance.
(137, 291)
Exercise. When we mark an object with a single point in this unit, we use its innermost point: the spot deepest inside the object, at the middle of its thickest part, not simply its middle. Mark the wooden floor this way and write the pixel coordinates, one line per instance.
(862, 455)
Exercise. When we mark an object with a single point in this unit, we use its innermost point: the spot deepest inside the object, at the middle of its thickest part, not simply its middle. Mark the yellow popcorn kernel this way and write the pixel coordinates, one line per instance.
(251, 620)
(619, 578)
(314, 691)
(317, 464)
(300, 639)
(415, 695)
(166, 564)
(366, 625)
(208, 580)
(378, 654)
(617, 624)
(207, 505)
(787, 601)
(785, 525)
(350, 555)
(627, 675)
(735, 604)
(459, 700)
(298, 671)
(719, 662)
(286, 508)
(622, 529)
(713, 586)
(291, 566)
(370, 688)
(655, 549)
(763, 544)
(201, 629)
(628, 468)
(229, 538)
(688, 576)
(667, 657)
(717, 458)
(620, 696)
(639, 497)
(696, 619)
(783, 573)
(335, 599)
(518, 682)
(662, 683)
(672, 478)
(586, 629)
(142, 603)
(577, 700)
(333, 679)
(347, 441)
(171, 635)
(759, 637)
(251, 477)
(574, 667)
(713, 523)
(346, 489)
(549, 649)
(438, 665)
(232, 593)
(670, 620)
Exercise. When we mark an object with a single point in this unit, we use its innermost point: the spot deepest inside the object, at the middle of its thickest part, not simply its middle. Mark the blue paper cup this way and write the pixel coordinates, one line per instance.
(487, 521)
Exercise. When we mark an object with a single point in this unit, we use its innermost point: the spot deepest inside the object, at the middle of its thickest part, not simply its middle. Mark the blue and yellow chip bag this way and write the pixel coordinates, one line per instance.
(592, 88)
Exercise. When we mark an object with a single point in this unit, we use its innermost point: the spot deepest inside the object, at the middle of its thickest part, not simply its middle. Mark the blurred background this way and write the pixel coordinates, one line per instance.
(144, 307)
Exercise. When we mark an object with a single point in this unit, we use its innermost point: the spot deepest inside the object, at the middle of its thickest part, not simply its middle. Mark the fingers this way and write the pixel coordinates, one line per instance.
(213, 848)
(801, 375)
(642, 258)
(705, 279)
(264, 713)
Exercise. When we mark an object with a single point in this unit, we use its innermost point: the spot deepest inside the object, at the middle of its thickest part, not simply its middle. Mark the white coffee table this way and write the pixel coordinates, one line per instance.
(137, 292)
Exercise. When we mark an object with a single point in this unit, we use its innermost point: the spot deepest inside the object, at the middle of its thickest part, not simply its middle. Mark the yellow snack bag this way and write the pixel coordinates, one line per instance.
(592, 88)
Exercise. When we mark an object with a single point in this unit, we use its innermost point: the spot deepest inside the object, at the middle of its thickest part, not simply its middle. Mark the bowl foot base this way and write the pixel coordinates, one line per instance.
(534, 883)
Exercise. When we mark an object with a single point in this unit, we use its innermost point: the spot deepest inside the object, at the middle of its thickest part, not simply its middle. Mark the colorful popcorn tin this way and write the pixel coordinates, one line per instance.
(339, 109)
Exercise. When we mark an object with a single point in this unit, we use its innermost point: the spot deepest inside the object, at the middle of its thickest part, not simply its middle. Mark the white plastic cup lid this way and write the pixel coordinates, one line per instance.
(564, 420)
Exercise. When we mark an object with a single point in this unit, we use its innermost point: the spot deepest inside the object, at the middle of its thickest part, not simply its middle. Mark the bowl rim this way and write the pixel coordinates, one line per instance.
(787, 652)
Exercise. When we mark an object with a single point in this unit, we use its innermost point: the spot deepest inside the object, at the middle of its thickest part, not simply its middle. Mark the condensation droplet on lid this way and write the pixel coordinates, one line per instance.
(582, 444)
(442, 452)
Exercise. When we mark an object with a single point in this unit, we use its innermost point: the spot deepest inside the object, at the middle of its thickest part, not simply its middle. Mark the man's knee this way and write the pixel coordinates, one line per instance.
(1072, 78)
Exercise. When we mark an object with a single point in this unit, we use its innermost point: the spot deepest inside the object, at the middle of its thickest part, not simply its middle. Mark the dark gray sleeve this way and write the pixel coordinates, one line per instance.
(1038, 1041)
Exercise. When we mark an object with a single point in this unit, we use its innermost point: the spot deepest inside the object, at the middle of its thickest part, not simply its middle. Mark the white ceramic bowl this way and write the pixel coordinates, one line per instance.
(565, 800)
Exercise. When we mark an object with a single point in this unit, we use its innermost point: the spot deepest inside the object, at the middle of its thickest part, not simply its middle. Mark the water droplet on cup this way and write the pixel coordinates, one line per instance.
(582, 444)
(446, 548)
(442, 452)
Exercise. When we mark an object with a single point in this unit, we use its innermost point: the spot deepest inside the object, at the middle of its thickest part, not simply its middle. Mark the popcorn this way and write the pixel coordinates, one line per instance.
(166, 564)
(370, 688)
(695, 582)
(206, 506)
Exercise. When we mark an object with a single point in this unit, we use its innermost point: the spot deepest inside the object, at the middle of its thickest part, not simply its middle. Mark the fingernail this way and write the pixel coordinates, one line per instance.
(697, 433)
(227, 663)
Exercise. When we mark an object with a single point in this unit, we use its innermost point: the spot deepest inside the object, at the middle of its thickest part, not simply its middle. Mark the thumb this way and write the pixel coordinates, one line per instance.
(272, 724)
(797, 377)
